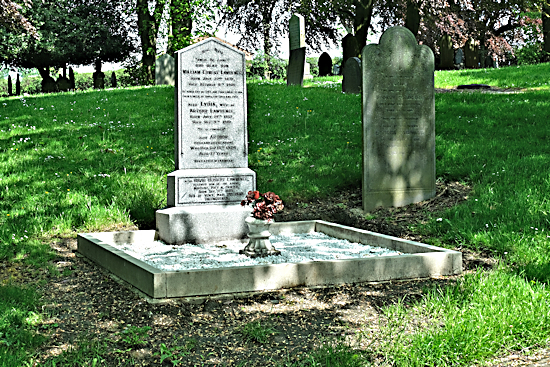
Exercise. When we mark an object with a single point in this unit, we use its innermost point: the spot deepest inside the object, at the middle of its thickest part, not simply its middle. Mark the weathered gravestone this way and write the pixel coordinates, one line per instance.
(398, 121)
(297, 58)
(352, 81)
(48, 85)
(71, 79)
(165, 70)
(63, 84)
(18, 86)
(471, 55)
(98, 76)
(211, 155)
(459, 59)
(307, 71)
(325, 64)
(446, 53)
(113, 80)
(10, 86)
(350, 48)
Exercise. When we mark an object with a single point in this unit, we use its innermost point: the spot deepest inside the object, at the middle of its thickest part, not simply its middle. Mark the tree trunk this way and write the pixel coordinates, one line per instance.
(267, 13)
(181, 24)
(148, 25)
(363, 15)
(412, 20)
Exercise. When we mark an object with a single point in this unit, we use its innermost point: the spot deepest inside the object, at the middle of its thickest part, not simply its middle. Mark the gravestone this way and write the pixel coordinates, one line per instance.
(446, 53)
(71, 79)
(398, 121)
(18, 86)
(63, 84)
(297, 44)
(10, 86)
(489, 62)
(307, 71)
(165, 69)
(325, 64)
(352, 81)
(211, 153)
(459, 59)
(350, 48)
(336, 69)
(471, 55)
(48, 85)
(113, 80)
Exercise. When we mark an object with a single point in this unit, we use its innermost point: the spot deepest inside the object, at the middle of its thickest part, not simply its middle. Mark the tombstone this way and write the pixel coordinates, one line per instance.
(459, 59)
(17, 86)
(446, 53)
(325, 64)
(489, 61)
(98, 76)
(398, 121)
(471, 55)
(297, 45)
(296, 66)
(10, 86)
(113, 80)
(49, 85)
(296, 32)
(63, 83)
(352, 81)
(350, 48)
(211, 174)
(307, 71)
(165, 68)
(71, 79)
(336, 69)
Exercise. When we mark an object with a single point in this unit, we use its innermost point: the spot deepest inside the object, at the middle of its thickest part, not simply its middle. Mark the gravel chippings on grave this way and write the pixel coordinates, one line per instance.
(90, 306)
(295, 248)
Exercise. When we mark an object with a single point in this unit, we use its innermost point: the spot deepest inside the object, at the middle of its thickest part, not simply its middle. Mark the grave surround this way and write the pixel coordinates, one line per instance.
(398, 121)
(211, 152)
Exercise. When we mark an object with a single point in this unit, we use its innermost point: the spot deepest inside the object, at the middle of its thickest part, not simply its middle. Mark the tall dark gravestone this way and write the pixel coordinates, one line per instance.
(297, 58)
(211, 153)
(471, 55)
(325, 64)
(350, 48)
(10, 86)
(71, 79)
(398, 121)
(446, 53)
(352, 80)
(17, 86)
(113, 80)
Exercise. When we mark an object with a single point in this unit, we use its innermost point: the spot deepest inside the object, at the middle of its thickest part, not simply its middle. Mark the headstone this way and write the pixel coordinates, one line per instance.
(398, 121)
(10, 86)
(71, 79)
(350, 48)
(352, 81)
(165, 69)
(113, 80)
(98, 76)
(49, 85)
(336, 69)
(296, 65)
(446, 53)
(296, 32)
(297, 45)
(63, 84)
(471, 55)
(489, 62)
(459, 59)
(307, 71)
(211, 155)
(325, 64)
(17, 86)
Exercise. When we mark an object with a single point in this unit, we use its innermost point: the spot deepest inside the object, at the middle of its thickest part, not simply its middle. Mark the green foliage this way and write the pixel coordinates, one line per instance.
(530, 54)
(255, 331)
(314, 65)
(257, 68)
(175, 353)
(134, 335)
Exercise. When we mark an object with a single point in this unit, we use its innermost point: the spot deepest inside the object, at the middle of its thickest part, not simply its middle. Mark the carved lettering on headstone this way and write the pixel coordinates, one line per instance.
(297, 32)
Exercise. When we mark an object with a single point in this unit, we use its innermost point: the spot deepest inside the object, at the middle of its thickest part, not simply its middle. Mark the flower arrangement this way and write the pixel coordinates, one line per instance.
(264, 205)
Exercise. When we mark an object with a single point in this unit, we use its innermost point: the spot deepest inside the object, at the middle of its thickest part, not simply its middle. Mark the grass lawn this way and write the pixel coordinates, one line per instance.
(98, 160)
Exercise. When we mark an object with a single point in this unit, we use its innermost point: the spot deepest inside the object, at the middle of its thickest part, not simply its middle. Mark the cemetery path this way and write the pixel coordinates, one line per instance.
(91, 308)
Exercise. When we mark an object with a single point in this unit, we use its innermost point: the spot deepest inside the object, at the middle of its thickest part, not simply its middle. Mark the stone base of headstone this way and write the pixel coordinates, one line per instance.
(202, 224)
(395, 198)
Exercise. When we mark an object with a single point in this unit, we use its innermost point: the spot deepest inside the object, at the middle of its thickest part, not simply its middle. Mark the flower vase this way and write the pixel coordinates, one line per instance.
(259, 244)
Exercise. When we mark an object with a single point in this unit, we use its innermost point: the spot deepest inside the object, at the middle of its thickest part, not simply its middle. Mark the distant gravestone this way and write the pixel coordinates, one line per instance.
(350, 48)
(489, 62)
(99, 80)
(459, 59)
(49, 85)
(471, 55)
(63, 84)
(297, 58)
(165, 70)
(71, 79)
(296, 32)
(398, 121)
(352, 81)
(336, 69)
(113, 80)
(307, 71)
(18, 86)
(446, 53)
(296, 65)
(325, 64)
(211, 153)
(10, 86)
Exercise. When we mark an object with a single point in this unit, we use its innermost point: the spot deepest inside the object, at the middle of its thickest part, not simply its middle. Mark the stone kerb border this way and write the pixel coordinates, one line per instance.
(422, 262)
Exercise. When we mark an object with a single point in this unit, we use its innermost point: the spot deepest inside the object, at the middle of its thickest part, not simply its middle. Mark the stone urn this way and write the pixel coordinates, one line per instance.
(259, 244)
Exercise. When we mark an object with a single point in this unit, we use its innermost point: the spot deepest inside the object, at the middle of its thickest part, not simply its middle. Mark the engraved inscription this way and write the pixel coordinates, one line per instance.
(213, 189)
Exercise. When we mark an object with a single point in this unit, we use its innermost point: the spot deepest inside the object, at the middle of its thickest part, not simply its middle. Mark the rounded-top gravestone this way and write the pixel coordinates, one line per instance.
(350, 48)
(446, 52)
(325, 64)
(352, 80)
